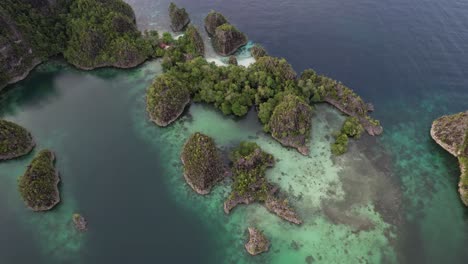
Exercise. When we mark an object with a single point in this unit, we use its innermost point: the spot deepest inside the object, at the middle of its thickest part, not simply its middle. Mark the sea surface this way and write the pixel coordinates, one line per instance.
(390, 199)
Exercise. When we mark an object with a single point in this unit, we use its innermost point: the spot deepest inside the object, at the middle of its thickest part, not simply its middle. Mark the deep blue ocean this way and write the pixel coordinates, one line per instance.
(409, 58)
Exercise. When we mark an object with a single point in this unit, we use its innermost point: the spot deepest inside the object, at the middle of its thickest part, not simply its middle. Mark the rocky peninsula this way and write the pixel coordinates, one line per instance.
(166, 100)
(225, 37)
(15, 141)
(250, 184)
(203, 166)
(179, 17)
(39, 185)
(258, 243)
(451, 133)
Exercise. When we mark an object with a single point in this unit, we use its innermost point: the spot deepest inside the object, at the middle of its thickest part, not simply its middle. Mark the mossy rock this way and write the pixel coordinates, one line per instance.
(15, 141)
(227, 39)
(194, 42)
(291, 122)
(166, 99)
(39, 185)
(202, 162)
(258, 51)
(214, 20)
(232, 60)
(179, 18)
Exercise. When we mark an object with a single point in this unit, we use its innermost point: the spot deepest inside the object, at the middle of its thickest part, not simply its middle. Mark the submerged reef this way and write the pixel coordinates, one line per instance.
(79, 222)
(258, 243)
(179, 17)
(290, 123)
(166, 100)
(225, 37)
(39, 185)
(451, 133)
(202, 162)
(15, 141)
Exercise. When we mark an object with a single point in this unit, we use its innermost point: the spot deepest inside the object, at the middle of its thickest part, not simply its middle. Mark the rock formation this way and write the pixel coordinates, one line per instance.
(227, 39)
(166, 99)
(39, 185)
(257, 243)
(179, 18)
(80, 222)
(451, 133)
(15, 141)
(291, 122)
(202, 162)
(212, 21)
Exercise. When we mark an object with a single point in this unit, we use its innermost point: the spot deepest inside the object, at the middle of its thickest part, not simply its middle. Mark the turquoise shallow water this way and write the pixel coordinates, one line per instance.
(391, 199)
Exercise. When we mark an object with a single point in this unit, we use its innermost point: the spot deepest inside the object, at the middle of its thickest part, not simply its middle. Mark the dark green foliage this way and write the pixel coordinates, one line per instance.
(179, 17)
(202, 162)
(185, 48)
(250, 164)
(351, 128)
(15, 141)
(166, 99)
(38, 186)
(103, 33)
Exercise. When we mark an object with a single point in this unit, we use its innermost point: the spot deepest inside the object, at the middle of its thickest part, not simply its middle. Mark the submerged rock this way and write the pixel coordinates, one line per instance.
(227, 39)
(291, 122)
(257, 243)
(214, 20)
(39, 185)
(80, 222)
(179, 18)
(202, 162)
(166, 99)
(15, 141)
(282, 209)
(451, 133)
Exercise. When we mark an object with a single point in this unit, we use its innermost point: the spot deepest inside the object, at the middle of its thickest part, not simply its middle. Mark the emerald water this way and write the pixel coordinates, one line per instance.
(391, 199)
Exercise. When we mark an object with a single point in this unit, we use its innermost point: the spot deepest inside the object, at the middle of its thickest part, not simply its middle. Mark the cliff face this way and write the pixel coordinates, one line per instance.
(451, 133)
(179, 18)
(227, 39)
(25, 37)
(214, 20)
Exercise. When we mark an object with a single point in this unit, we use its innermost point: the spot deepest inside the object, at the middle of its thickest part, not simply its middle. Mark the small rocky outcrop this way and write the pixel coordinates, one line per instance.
(451, 133)
(194, 41)
(282, 209)
(202, 162)
(212, 21)
(179, 18)
(15, 141)
(80, 222)
(39, 185)
(258, 51)
(166, 99)
(227, 39)
(257, 243)
(291, 122)
(232, 60)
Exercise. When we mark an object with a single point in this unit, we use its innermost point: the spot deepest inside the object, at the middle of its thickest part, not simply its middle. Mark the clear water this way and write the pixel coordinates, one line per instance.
(391, 199)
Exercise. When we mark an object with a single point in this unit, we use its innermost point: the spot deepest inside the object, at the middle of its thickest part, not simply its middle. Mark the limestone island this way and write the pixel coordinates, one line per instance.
(166, 100)
(291, 122)
(225, 37)
(257, 243)
(202, 163)
(80, 222)
(39, 185)
(15, 141)
(179, 17)
(451, 133)
(250, 185)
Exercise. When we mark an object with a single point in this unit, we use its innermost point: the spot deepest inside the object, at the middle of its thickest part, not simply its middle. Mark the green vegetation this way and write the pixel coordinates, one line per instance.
(15, 141)
(179, 17)
(351, 128)
(250, 164)
(203, 166)
(186, 48)
(166, 99)
(38, 186)
(104, 33)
